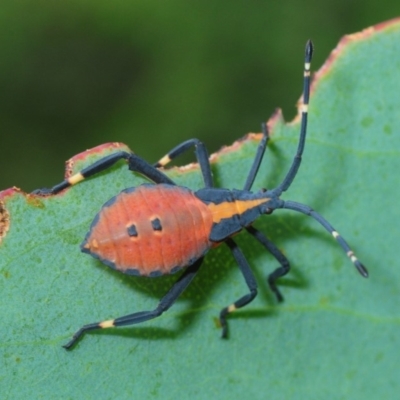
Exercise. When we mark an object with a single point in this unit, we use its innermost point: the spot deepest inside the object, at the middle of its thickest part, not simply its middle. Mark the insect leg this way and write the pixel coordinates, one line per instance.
(258, 158)
(135, 164)
(280, 271)
(250, 281)
(165, 303)
(201, 155)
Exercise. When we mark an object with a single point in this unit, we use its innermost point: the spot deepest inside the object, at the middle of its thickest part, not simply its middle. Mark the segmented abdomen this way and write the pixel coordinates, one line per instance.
(150, 230)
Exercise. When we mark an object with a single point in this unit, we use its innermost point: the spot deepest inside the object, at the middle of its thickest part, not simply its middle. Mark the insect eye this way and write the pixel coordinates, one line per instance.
(263, 190)
(268, 211)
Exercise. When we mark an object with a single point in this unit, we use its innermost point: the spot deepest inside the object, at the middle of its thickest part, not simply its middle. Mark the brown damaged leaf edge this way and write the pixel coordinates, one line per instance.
(82, 157)
(4, 221)
(71, 164)
(347, 40)
(5, 196)
(250, 137)
(4, 214)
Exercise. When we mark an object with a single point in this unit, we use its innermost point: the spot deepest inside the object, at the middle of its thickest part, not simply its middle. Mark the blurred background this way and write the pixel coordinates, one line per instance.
(75, 74)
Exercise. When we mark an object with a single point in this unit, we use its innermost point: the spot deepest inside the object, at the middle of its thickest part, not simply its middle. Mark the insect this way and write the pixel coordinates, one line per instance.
(160, 228)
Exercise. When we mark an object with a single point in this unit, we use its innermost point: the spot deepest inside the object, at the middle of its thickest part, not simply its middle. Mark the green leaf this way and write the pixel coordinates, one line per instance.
(335, 336)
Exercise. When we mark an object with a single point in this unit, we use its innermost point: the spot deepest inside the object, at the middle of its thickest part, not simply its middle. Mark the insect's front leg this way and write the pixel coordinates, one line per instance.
(98, 166)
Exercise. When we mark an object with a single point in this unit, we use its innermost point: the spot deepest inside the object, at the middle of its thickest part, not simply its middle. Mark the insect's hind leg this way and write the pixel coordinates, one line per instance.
(250, 281)
(278, 272)
(201, 155)
(165, 303)
(135, 164)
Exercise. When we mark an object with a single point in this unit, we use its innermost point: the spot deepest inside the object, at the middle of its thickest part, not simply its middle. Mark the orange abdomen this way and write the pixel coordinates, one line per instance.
(150, 230)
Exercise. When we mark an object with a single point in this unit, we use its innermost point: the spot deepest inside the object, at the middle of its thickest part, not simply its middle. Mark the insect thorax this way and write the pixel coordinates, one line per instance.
(232, 210)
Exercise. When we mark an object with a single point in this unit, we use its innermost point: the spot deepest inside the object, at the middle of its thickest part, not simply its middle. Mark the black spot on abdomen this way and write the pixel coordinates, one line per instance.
(132, 231)
(156, 224)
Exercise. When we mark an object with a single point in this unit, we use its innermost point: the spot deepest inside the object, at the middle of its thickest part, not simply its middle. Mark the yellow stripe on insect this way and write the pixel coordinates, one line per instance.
(72, 180)
(232, 308)
(107, 324)
(229, 208)
(304, 108)
(307, 67)
(336, 235)
(352, 257)
(165, 160)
